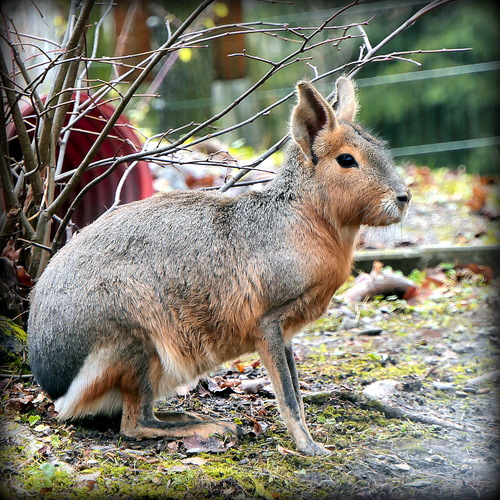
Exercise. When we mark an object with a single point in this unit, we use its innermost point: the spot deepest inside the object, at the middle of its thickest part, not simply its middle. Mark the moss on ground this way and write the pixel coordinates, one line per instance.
(13, 341)
(419, 344)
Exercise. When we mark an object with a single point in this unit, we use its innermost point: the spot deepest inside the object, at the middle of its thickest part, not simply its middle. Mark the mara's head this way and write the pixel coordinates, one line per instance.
(355, 177)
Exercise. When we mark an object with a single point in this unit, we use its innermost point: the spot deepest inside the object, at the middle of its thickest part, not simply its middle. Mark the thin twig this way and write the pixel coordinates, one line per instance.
(409, 22)
(64, 60)
(119, 110)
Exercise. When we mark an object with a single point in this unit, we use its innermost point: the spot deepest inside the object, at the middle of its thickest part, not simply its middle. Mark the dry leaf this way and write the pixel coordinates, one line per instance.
(177, 468)
(44, 450)
(286, 451)
(475, 269)
(197, 444)
(173, 446)
(87, 480)
(479, 196)
(195, 461)
(251, 386)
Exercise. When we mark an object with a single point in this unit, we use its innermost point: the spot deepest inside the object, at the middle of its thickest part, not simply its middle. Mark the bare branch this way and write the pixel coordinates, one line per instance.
(23, 136)
(74, 94)
(409, 22)
(56, 205)
(47, 133)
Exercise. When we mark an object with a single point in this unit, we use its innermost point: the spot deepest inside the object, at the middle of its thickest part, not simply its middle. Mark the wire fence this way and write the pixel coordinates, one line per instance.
(441, 116)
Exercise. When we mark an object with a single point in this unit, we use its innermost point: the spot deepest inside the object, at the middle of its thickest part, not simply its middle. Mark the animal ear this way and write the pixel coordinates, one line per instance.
(346, 103)
(311, 115)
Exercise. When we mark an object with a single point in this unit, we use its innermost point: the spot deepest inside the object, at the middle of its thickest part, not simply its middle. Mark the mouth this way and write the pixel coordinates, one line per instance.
(389, 212)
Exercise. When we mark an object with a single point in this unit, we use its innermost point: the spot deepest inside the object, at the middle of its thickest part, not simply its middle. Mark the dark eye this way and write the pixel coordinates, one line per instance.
(346, 161)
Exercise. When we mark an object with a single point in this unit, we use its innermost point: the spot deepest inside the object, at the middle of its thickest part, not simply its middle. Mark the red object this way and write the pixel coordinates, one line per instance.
(122, 140)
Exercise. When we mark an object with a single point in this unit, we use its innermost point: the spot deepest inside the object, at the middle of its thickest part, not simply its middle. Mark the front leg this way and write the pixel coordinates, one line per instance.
(295, 380)
(278, 359)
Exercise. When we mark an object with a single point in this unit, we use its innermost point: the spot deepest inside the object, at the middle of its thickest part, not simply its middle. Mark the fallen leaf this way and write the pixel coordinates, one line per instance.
(479, 196)
(195, 461)
(257, 428)
(220, 386)
(251, 386)
(286, 451)
(87, 480)
(471, 269)
(173, 446)
(10, 252)
(23, 278)
(44, 450)
(431, 288)
(193, 182)
(223, 383)
(196, 444)
(411, 293)
(21, 404)
(178, 468)
(41, 427)
(41, 397)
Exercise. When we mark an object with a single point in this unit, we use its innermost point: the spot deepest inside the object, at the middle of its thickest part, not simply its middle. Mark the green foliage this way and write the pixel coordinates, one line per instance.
(46, 476)
(440, 109)
(33, 419)
(12, 345)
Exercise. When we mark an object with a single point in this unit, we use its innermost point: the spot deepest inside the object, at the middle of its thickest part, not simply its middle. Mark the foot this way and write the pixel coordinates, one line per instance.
(178, 416)
(313, 449)
(183, 429)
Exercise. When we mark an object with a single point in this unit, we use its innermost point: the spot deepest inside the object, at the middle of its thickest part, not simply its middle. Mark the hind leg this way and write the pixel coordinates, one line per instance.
(140, 422)
(179, 416)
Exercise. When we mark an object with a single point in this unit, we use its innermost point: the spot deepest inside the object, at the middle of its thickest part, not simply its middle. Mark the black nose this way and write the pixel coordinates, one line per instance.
(403, 198)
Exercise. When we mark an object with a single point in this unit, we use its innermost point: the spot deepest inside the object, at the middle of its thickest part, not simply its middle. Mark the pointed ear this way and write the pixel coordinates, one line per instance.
(311, 115)
(346, 104)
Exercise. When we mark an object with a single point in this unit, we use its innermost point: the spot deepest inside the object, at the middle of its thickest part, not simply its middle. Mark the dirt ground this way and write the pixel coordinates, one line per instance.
(403, 392)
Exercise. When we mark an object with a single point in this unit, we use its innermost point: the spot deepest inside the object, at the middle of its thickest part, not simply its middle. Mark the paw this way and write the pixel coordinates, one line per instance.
(205, 430)
(174, 416)
(313, 449)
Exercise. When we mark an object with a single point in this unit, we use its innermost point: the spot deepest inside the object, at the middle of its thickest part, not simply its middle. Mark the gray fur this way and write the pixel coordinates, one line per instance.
(213, 276)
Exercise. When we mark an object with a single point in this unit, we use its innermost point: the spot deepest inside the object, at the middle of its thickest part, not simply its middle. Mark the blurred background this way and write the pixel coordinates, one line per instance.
(442, 113)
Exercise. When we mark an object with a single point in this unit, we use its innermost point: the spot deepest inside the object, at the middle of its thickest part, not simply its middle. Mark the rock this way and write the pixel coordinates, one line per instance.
(347, 312)
(444, 386)
(482, 379)
(347, 323)
(419, 484)
(327, 483)
(470, 390)
(402, 466)
(381, 389)
(371, 331)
